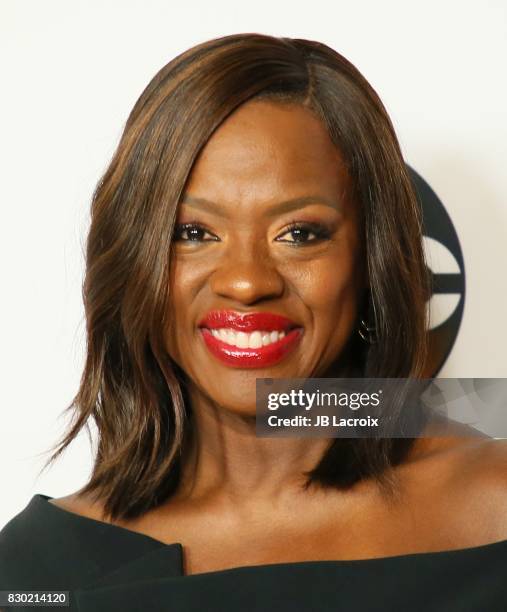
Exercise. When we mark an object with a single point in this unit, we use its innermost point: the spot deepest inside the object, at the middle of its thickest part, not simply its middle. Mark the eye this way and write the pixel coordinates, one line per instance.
(300, 232)
(194, 231)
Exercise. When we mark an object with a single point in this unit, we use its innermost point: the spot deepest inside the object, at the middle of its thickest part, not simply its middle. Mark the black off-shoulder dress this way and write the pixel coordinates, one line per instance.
(107, 568)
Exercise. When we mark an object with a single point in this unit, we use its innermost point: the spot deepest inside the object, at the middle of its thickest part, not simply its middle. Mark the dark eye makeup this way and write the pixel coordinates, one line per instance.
(195, 232)
(303, 228)
(300, 231)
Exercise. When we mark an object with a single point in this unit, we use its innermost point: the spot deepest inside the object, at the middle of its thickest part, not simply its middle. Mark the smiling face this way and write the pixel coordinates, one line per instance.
(266, 225)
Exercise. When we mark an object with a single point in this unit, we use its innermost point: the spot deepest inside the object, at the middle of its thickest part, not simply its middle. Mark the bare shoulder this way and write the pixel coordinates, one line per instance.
(457, 484)
(468, 453)
(476, 459)
(487, 462)
(479, 485)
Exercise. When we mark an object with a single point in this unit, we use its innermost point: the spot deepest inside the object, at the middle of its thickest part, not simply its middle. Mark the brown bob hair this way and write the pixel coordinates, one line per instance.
(130, 387)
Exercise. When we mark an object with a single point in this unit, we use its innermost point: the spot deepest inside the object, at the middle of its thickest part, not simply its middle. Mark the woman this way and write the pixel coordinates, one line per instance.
(258, 200)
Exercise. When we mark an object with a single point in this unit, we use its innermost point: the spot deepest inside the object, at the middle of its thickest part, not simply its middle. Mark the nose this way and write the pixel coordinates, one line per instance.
(247, 276)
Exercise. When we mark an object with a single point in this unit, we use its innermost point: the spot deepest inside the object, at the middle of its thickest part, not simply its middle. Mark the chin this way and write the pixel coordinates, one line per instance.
(239, 408)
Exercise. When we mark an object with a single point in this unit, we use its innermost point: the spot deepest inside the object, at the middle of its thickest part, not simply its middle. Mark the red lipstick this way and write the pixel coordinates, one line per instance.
(273, 348)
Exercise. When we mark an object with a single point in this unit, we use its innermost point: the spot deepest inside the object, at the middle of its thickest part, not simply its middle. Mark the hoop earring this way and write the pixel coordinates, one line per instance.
(367, 332)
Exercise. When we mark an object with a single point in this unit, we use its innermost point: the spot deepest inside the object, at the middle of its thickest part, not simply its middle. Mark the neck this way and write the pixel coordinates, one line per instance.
(226, 461)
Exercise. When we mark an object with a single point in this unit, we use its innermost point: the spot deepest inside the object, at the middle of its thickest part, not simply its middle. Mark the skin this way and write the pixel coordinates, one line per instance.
(261, 156)
(257, 159)
(240, 502)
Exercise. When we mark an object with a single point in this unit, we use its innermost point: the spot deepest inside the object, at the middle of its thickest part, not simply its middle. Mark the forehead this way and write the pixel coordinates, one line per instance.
(266, 148)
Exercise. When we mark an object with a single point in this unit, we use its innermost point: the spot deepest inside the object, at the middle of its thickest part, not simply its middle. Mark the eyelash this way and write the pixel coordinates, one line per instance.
(321, 232)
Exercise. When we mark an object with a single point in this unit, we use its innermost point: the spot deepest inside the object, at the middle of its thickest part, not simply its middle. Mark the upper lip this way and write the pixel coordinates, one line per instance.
(247, 321)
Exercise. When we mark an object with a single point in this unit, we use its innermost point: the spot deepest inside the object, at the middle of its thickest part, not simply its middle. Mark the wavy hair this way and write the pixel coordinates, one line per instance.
(130, 388)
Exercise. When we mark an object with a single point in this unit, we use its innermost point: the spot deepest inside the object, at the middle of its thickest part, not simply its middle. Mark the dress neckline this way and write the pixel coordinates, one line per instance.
(43, 501)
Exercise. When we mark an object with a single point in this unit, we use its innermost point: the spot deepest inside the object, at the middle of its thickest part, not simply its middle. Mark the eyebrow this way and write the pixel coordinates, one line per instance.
(279, 208)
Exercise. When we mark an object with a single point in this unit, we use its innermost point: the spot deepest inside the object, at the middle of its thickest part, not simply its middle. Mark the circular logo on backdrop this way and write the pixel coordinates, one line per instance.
(447, 271)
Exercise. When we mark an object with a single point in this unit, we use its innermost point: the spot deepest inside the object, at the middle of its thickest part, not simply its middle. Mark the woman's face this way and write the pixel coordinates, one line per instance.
(266, 167)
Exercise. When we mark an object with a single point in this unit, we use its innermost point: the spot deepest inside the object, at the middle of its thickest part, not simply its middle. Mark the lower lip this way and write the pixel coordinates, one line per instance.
(252, 357)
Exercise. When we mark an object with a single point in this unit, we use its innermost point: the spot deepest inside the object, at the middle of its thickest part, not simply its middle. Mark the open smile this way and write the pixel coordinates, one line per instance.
(244, 340)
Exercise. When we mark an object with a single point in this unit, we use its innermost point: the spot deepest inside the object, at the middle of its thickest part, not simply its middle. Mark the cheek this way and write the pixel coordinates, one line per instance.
(183, 282)
(332, 300)
(330, 292)
(329, 286)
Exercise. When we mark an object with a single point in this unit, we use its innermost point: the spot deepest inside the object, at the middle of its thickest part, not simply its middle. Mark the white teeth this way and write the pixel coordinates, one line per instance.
(256, 339)
(241, 339)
